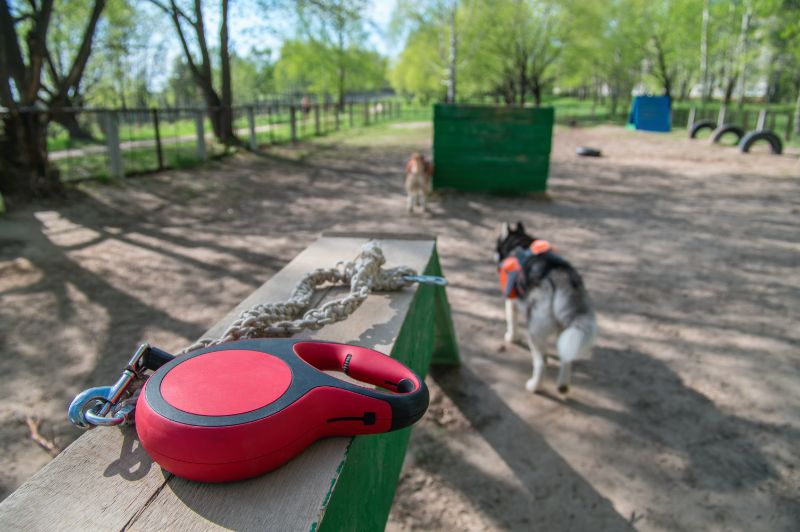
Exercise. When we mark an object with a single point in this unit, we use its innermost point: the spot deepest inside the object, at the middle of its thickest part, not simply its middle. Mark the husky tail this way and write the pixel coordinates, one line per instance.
(575, 342)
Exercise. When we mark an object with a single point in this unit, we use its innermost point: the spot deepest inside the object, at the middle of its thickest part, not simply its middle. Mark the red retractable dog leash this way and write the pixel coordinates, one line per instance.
(240, 405)
(236, 410)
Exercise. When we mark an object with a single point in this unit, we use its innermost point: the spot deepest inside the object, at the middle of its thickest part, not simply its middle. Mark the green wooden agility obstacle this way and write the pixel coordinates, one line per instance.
(494, 149)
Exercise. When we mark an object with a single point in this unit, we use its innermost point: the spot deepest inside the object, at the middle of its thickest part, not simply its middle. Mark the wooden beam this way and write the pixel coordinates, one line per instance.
(105, 480)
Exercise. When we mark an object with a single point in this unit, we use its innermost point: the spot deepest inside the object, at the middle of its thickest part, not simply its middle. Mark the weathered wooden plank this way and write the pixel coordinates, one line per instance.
(106, 481)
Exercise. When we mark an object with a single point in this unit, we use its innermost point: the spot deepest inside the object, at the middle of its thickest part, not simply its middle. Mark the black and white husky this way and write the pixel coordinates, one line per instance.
(551, 296)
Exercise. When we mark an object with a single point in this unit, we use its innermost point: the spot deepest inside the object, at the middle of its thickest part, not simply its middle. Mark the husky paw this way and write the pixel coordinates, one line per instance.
(532, 385)
(563, 389)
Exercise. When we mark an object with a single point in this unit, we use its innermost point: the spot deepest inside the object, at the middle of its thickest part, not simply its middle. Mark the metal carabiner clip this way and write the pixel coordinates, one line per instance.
(92, 407)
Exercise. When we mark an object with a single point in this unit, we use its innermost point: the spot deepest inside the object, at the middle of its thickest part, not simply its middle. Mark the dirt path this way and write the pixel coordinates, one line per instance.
(687, 417)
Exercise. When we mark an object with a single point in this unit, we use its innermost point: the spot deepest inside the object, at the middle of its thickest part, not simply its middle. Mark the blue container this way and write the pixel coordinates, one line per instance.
(651, 113)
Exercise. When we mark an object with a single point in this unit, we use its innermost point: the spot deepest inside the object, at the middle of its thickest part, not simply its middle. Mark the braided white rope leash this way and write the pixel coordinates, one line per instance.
(364, 275)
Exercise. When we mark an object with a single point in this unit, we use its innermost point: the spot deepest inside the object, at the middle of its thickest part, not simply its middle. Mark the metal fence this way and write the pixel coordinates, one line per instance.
(114, 143)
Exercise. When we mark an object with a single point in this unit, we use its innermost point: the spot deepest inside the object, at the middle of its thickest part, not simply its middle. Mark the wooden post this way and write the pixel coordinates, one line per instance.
(366, 113)
(772, 121)
(316, 120)
(293, 122)
(336, 110)
(721, 116)
(690, 122)
(745, 120)
(350, 106)
(199, 128)
(762, 120)
(788, 126)
(251, 123)
(112, 144)
(159, 152)
(105, 479)
(270, 124)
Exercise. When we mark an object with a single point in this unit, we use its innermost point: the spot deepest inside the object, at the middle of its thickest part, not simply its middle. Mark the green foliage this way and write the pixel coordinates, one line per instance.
(608, 48)
(313, 67)
(417, 71)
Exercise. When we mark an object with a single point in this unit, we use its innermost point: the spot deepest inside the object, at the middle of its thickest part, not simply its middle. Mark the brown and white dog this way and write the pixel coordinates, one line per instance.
(419, 174)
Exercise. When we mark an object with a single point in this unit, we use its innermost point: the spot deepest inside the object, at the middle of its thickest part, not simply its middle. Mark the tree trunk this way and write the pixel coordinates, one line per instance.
(743, 56)
(451, 81)
(536, 87)
(341, 57)
(729, 86)
(25, 172)
(226, 126)
(614, 97)
(797, 114)
(215, 114)
(704, 82)
(69, 121)
(683, 92)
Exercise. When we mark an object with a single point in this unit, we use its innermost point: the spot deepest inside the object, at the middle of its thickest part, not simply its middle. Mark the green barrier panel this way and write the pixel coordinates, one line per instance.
(496, 149)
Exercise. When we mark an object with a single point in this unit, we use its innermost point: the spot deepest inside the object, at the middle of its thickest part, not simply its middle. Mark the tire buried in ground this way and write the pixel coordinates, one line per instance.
(717, 134)
(775, 144)
(701, 125)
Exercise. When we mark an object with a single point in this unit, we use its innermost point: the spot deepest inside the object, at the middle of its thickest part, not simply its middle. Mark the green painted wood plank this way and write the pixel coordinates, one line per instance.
(492, 113)
(362, 496)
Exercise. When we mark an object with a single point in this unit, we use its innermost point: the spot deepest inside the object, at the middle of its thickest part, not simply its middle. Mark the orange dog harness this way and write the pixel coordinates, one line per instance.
(511, 268)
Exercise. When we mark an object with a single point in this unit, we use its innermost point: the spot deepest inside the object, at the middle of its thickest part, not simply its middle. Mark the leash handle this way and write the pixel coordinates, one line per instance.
(407, 394)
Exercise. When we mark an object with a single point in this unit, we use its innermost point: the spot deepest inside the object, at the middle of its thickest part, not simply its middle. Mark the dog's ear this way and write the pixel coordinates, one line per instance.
(505, 230)
(520, 228)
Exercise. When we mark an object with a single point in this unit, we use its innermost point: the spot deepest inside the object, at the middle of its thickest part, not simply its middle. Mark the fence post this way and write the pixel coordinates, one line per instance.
(156, 128)
(251, 123)
(721, 116)
(772, 121)
(788, 126)
(690, 122)
(337, 109)
(200, 130)
(350, 106)
(316, 119)
(112, 144)
(293, 122)
(366, 113)
(745, 120)
(762, 120)
(269, 123)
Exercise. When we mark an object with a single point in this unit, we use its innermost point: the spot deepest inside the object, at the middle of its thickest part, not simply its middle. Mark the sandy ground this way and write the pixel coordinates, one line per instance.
(687, 417)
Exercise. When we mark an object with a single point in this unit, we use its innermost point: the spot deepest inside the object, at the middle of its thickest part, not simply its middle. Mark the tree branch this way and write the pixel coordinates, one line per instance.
(73, 78)
(11, 63)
